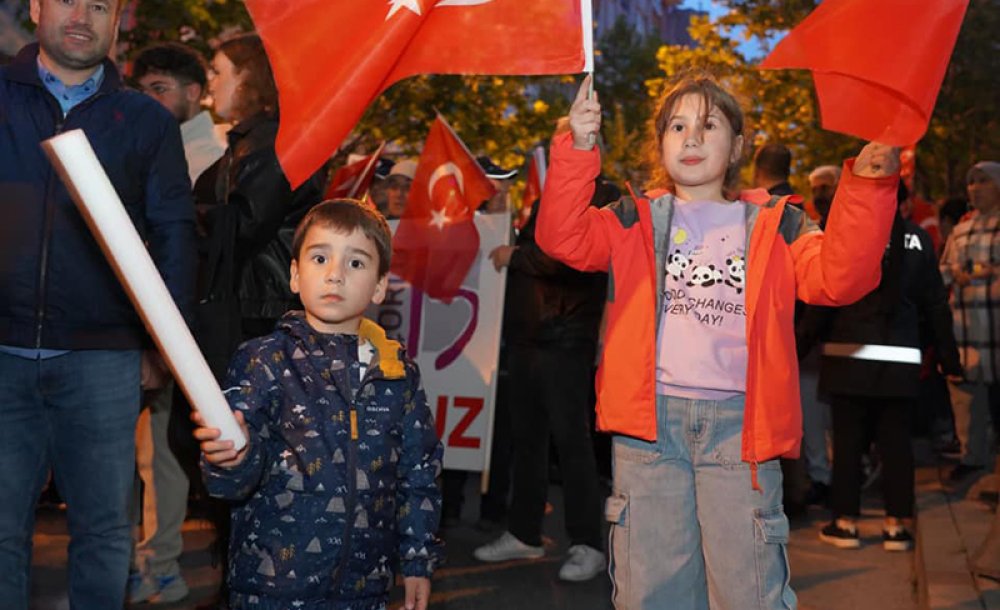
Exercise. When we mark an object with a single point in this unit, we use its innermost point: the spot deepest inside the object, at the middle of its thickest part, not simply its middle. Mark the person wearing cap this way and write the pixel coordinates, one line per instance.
(501, 179)
(971, 265)
(397, 187)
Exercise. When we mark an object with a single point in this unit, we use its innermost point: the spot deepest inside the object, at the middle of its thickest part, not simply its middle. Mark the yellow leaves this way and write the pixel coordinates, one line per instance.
(540, 107)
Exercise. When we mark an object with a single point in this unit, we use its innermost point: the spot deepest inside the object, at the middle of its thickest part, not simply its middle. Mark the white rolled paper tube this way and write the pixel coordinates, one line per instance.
(100, 206)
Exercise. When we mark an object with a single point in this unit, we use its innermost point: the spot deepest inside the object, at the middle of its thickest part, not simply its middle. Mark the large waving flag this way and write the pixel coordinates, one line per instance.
(436, 241)
(877, 65)
(354, 179)
(332, 58)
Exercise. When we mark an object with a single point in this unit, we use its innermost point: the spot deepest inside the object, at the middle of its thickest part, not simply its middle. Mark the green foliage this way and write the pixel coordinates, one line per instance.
(503, 117)
(623, 63)
(196, 22)
(965, 127)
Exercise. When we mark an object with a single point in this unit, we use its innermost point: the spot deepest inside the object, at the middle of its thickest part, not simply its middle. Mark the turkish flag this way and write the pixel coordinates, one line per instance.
(877, 64)
(331, 59)
(354, 179)
(436, 241)
(533, 186)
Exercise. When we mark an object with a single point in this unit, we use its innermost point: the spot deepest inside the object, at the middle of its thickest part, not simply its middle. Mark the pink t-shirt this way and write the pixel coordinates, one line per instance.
(702, 335)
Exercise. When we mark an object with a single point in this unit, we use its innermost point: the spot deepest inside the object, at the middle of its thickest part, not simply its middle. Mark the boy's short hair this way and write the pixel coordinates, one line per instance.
(346, 215)
(774, 160)
(173, 59)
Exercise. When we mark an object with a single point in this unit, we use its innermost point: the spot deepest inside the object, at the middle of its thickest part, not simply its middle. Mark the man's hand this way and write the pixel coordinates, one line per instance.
(417, 592)
(220, 453)
(877, 160)
(501, 256)
(154, 373)
(585, 117)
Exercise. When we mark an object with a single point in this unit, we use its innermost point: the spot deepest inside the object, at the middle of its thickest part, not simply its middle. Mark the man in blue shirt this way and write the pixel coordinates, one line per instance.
(70, 341)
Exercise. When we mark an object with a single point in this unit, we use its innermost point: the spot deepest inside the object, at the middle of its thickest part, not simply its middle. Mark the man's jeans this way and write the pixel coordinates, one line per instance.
(75, 414)
(688, 530)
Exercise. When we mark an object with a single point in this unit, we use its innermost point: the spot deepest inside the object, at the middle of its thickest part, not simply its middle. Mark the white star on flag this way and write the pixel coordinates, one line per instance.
(397, 5)
(439, 219)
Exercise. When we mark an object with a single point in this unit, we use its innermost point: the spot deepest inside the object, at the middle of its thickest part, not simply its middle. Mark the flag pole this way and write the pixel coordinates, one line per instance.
(592, 136)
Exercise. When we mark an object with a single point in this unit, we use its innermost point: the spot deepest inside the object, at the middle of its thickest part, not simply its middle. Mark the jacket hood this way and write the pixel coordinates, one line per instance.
(387, 351)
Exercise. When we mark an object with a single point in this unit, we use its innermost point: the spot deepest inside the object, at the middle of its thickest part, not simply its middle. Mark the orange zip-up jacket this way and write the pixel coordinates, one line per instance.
(787, 256)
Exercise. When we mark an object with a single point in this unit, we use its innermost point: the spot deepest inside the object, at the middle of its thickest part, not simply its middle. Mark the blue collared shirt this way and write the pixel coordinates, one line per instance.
(68, 96)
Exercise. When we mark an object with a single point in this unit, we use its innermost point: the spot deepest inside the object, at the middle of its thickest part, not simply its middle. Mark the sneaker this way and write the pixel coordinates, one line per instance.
(841, 534)
(896, 538)
(156, 589)
(584, 563)
(507, 546)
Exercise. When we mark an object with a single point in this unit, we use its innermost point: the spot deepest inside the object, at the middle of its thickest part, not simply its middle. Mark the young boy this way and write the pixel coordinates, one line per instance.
(337, 481)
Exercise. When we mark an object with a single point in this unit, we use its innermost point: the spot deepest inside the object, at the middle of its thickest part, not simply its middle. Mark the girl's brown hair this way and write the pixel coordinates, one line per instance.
(257, 91)
(713, 96)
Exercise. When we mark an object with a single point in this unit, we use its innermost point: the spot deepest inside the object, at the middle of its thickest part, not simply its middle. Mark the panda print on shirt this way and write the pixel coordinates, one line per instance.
(703, 315)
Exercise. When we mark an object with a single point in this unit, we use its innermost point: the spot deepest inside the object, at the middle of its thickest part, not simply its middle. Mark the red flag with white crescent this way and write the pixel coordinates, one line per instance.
(332, 59)
(877, 65)
(436, 241)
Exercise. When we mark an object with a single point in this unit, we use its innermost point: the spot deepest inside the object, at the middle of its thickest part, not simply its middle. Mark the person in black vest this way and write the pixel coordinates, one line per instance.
(870, 368)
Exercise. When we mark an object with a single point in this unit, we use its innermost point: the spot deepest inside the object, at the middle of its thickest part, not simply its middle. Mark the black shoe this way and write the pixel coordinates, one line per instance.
(818, 494)
(840, 537)
(958, 473)
(897, 538)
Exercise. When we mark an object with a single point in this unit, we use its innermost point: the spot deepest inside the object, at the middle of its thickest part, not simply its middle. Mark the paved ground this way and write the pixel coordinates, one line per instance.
(824, 578)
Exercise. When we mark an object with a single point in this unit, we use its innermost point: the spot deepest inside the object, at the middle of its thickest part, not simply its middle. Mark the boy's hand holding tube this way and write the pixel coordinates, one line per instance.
(877, 160)
(220, 453)
(585, 116)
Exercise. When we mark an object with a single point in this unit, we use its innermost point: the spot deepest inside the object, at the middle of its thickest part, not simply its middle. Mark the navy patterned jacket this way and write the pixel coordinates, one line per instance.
(338, 485)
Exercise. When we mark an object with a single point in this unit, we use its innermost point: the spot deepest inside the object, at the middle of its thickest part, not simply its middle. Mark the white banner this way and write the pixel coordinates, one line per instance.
(457, 347)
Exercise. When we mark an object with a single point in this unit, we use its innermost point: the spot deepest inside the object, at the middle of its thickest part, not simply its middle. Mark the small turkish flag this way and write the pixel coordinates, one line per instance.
(331, 59)
(877, 65)
(354, 179)
(533, 186)
(436, 241)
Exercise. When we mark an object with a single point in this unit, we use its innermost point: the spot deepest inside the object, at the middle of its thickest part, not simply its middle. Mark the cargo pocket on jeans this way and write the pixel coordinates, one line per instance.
(773, 575)
(616, 513)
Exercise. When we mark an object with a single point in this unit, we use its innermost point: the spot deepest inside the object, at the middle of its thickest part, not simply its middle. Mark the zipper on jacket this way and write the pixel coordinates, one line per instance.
(43, 264)
(61, 120)
(352, 489)
(350, 504)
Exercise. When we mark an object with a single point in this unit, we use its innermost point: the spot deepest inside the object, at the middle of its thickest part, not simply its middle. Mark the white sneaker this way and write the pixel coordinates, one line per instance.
(507, 546)
(584, 563)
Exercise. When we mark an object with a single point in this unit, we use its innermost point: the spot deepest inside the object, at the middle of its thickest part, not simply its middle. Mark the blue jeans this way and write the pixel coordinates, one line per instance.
(688, 530)
(75, 414)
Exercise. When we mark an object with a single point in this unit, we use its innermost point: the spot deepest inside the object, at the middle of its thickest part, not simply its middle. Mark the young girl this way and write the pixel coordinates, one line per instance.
(698, 378)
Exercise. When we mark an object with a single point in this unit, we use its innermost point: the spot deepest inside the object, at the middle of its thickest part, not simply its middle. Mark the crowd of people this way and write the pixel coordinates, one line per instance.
(748, 351)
